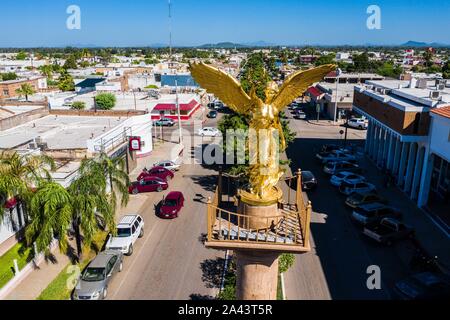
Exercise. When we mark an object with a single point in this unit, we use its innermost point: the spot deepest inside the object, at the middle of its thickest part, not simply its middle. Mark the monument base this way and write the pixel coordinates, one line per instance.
(257, 275)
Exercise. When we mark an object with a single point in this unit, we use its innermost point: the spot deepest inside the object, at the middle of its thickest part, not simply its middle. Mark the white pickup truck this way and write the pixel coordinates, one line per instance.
(388, 230)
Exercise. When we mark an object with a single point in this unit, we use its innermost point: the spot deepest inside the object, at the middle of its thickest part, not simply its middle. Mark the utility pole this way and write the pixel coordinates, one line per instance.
(170, 31)
(178, 111)
(338, 73)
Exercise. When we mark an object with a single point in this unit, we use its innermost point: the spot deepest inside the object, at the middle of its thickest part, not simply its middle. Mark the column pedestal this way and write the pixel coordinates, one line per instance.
(257, 275)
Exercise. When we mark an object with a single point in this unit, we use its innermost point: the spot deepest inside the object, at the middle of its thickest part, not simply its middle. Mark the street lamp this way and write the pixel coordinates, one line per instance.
(338, 73)
(178, 111)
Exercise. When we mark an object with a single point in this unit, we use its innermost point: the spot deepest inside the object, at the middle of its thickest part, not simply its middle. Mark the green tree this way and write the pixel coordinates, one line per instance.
(285, 262)
(361, 62)
(65, 82)
(50, 210)
(446, 70)
(71, 62)
(25, 90)
(47, 70)
(328, 59)
(78, 105)
(19, 173)
(105, 101)
(91, 204)
(388, 69)
(21, 55)
(8, 76)
(116, 177)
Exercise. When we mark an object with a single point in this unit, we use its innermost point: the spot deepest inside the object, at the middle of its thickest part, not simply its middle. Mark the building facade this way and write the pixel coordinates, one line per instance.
(408, 136)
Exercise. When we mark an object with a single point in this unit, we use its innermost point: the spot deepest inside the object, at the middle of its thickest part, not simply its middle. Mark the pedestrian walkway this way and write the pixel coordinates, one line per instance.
(328, 123)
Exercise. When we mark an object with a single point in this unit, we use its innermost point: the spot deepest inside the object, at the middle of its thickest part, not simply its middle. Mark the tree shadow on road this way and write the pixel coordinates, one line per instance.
(212, 272)
(197, 296)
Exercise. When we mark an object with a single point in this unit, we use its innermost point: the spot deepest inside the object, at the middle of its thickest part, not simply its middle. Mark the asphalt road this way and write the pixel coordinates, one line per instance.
(170, 261)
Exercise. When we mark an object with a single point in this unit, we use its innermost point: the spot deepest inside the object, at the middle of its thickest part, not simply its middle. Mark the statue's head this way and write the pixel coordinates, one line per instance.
(271, 90)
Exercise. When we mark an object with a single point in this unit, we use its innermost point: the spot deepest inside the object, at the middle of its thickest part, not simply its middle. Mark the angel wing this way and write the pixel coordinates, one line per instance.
(298, 83)
(223, 86)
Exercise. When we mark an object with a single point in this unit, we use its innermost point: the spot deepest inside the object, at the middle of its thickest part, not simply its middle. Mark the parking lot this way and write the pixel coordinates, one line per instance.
(337, 266)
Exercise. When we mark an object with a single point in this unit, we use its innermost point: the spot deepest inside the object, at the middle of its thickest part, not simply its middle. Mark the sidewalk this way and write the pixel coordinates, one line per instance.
(34, 283)
(328, 123)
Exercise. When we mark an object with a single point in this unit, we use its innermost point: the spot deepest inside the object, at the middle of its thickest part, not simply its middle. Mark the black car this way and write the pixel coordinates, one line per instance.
(309, 182)
(423, 286)
(330, 147)
(212, 114)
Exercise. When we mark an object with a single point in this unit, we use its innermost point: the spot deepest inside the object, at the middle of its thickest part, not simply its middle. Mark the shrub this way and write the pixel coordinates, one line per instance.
(78, 105)
(285, 262)
(105, 101)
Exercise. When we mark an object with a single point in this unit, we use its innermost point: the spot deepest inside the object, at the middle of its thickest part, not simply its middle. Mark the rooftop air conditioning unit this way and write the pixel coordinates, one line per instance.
(441, 86)
(32, 146)
(435, 94)
(42, 146)
(422, 84)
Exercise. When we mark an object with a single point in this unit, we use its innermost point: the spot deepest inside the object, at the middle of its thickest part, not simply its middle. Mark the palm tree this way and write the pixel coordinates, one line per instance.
(25, 90)
(20, 173)
(90, 202)
(114, 169)
(50, 210)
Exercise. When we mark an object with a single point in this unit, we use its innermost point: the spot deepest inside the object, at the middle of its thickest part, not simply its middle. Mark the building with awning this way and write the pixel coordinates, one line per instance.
(167, 107)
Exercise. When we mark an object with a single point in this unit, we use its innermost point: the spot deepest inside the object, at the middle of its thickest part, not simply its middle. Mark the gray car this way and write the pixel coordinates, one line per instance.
(95, 279)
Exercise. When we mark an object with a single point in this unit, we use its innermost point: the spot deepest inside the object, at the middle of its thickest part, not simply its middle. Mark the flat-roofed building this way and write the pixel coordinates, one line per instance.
(8, 89)
(408, 130)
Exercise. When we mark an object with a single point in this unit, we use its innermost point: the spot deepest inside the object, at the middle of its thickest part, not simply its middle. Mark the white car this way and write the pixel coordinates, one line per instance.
(335, 155)
(358, 123)
(346, 176)
(129, 229)
(169, 165)
(208, 132)
(360, 187)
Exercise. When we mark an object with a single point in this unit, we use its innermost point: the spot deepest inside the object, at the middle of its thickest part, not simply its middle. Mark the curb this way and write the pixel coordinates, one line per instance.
(283, 288)
(324, 125)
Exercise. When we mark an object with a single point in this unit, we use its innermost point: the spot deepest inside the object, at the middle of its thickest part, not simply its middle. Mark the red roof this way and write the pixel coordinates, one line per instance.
(314, 91)
(172, 106)
(443, 111)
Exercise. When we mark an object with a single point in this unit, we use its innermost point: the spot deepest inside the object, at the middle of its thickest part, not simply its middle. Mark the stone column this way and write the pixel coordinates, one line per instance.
(257, 275)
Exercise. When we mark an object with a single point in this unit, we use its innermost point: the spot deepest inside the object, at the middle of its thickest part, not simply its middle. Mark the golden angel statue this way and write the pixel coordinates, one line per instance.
(264, 116)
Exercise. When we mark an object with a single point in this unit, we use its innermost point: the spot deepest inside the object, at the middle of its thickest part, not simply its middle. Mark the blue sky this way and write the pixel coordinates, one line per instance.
(144, 22)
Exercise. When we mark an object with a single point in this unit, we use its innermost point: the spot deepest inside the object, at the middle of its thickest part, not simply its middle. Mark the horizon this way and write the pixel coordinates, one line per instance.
(290, 24)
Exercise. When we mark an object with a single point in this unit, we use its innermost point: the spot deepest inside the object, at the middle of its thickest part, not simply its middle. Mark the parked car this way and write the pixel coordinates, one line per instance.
(335, 155)
(129, 229)
(348, 188)
(95, 279)
(169, 165)
(165, 122)
(159, 172)
(298, 114)
(346, 176)
(218, 105)
(172, 205)
(330, 147)
(212, 114)
(373, 213)
(423, 286)
(309, 182)
(208, 132)
(148, 184)
(358, 123)
(388, 231)
(361, 198)
(335, 167)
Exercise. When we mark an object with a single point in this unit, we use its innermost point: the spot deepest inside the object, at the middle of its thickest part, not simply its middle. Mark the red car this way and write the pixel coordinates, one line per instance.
(148, 184)
(172, 205)
(159, 172)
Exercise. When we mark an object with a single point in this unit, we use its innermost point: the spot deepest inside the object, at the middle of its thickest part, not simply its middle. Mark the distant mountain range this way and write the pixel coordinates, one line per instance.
(417, 44)
(232, 45)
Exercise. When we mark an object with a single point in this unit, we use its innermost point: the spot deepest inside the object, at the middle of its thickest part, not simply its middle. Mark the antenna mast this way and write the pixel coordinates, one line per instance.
(170, 30)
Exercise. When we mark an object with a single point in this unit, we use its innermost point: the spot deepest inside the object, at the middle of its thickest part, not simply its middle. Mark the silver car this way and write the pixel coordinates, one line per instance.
(169, 165)
(95, 279)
